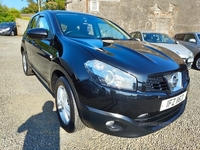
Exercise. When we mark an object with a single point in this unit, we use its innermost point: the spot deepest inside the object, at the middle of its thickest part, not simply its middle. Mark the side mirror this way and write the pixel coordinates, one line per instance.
(176, 42)
(37, 33)
(137, 39)
(192, 40)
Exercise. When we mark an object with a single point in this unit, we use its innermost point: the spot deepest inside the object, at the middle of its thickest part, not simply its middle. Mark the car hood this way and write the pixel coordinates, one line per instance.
(177, 48)
(3, 27)
(132, 56)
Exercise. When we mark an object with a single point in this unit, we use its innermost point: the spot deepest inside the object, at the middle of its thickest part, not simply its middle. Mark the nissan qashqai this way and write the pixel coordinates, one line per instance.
(100, 77)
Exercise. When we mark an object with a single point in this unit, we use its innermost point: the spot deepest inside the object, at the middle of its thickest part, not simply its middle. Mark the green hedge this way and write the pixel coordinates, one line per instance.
(8, 14)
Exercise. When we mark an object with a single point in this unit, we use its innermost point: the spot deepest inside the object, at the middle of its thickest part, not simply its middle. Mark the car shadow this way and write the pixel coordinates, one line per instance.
(42, 130)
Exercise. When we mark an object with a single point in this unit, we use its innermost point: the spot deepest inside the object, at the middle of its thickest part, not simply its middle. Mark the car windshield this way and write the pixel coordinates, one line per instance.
(158, 38)
(6, 24)
(84, 26)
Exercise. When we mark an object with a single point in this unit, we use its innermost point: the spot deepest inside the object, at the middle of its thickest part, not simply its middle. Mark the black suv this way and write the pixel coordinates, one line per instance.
(100, 77)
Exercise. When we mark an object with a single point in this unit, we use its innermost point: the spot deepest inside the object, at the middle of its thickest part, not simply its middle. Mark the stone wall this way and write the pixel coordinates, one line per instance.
(21, 25)
(167, 16)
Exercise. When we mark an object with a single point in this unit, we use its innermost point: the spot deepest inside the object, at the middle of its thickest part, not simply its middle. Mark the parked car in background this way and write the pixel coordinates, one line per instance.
(8, 28)
(165, 41)
(102, 78)
(191, 40)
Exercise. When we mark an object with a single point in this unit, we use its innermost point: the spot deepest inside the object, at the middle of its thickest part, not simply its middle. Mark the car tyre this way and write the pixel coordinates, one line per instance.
(12, 33)
(26, 67)
(66, 106)
(197, 62)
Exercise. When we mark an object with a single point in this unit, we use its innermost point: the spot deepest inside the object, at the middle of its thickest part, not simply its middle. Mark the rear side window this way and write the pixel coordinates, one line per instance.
(138, 35)
(189, 36)
(133, 34)
(179, 36)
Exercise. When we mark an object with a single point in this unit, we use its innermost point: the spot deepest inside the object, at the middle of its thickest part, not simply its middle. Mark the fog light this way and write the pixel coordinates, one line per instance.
(110, 123)
(114, 125)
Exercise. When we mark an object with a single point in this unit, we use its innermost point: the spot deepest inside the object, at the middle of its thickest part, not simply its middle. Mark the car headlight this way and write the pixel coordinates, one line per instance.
(190, 58)
(191, 55)
(6, 29)
(110, 76)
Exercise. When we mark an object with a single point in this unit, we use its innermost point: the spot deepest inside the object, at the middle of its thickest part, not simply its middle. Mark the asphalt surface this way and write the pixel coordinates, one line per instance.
(28, 119)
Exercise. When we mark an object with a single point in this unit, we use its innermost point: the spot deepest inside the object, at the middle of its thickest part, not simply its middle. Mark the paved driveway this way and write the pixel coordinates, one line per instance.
(28, 119)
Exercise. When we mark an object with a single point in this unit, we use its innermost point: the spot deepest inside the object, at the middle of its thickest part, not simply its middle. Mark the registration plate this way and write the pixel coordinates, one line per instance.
(171, 102)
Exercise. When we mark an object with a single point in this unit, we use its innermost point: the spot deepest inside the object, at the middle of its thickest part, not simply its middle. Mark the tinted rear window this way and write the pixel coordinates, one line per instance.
(179, 36)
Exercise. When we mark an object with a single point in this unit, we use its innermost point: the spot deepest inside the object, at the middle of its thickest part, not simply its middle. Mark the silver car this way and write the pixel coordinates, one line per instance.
(165, 41)
(191, 40)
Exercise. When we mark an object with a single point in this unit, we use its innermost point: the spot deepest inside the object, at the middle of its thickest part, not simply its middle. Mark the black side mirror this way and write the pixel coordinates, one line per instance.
(37, 33)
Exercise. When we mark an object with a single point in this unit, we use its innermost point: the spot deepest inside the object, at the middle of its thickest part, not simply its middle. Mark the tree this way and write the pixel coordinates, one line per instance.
(61, 4)
(8, 14)
(34, 6)
(55, 4)
(37, 5)
(51, 4)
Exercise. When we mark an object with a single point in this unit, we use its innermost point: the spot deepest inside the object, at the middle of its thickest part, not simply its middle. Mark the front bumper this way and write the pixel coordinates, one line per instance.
(126, 114)
(133, 113)
(122, 126)
(5, 32)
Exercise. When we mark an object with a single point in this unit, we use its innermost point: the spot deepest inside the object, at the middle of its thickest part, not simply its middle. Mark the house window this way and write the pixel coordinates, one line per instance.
(94, 6)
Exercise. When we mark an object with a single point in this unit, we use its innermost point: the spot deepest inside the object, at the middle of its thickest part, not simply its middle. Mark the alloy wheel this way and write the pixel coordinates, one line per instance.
(12, 33)
(198, 63)
(63, 104)
(24, 62)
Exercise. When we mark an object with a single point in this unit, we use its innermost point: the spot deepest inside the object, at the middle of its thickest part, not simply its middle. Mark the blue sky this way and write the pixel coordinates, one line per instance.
(18, 4)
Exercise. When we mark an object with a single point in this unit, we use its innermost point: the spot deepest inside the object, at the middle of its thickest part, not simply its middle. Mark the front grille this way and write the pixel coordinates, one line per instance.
(156, 84)
(159, 83)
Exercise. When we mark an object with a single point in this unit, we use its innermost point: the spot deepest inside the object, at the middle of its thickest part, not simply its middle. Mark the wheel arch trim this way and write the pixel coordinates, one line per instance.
(58, 71)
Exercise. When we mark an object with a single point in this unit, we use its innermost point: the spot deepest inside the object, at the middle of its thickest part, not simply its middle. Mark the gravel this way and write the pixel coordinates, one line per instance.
(28, 119)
